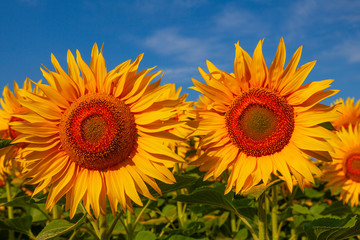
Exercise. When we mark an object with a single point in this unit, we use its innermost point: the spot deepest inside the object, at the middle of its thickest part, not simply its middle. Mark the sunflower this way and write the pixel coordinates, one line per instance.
(183, 114)
(344, 171)
(97, 134)
(350, 113)
(260, 121)
(11, 106)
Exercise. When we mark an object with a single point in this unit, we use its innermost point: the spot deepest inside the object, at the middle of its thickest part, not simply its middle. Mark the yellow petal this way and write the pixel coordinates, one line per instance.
(277, 66)
(258, 68)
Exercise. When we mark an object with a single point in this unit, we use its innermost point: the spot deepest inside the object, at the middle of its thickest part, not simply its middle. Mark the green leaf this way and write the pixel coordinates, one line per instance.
(181, 237)
(207, 196)
(145, 235)
(21, 224)
(327, 125)
(222, 218)
(245, 207)
(312, 193)
(5, 142)
(256, 191)
(300, 209)
(58, 227)
(242, 234)
(332, 228)
(194, 227)
(198, 184)
(317, 209)
(169, 211)
(25, 201)
(182, 181)
(337, 209)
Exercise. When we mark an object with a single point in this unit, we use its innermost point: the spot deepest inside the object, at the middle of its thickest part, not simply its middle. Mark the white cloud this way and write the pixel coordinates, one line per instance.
(170, 6)
(349, 49)
(168, 42)
(240, 21)
(180, 70)
(189, 3)
(298, 18)
(181, 75)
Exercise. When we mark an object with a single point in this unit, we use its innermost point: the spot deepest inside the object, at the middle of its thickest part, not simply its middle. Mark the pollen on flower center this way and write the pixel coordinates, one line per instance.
(94, 128)
(260, 122)
(98, 131)
(352, 167)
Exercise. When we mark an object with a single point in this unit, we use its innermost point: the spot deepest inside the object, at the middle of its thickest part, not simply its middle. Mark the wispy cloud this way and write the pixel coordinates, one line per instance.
(348, 49)
(181, 75)
(240, 21)
(347, 11)
(189, 3)
(299, 18)
(169, 5)
(169, 42)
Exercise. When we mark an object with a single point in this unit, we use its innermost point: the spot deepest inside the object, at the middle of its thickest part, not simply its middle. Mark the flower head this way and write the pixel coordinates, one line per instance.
(97, 134)
(260, 121)
(350, 113)
(8, 114)
(344, 171)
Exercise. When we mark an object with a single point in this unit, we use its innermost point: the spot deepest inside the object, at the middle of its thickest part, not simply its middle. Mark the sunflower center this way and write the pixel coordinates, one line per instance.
(94, 128)
(98, 131)
(260, 122)
(353, 167)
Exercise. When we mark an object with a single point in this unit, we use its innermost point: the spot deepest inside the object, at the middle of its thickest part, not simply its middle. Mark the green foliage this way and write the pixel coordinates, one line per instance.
(207, 196)
(333, 228)
(145, 235)
(328, 126)
(5, 142)
(55, 228)
(19, 224)
(181, 182)
(191, 209)
(258, 190)
(180, 237)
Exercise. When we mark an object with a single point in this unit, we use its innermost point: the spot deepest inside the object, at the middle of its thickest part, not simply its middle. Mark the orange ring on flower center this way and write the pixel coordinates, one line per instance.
(352, 166)
(259, 122)
(98, 131)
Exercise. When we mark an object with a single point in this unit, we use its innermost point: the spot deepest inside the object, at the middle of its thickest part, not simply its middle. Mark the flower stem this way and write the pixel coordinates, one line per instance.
(262, 217)
(10, 208)
(113, 224)
(249, 227)
(180, 214)
(56, 212)
(91, 220)
(103, 227)
(141, 212)
(233, 222)
(290, 204)
(274, 213)
(129, 226)
(179, 205)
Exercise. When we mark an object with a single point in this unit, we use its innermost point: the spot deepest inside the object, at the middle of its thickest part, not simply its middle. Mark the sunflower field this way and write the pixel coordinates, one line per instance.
(92, 153)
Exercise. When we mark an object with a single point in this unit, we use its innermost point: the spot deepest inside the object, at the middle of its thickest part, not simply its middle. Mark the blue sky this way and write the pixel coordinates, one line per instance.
(178, 36)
